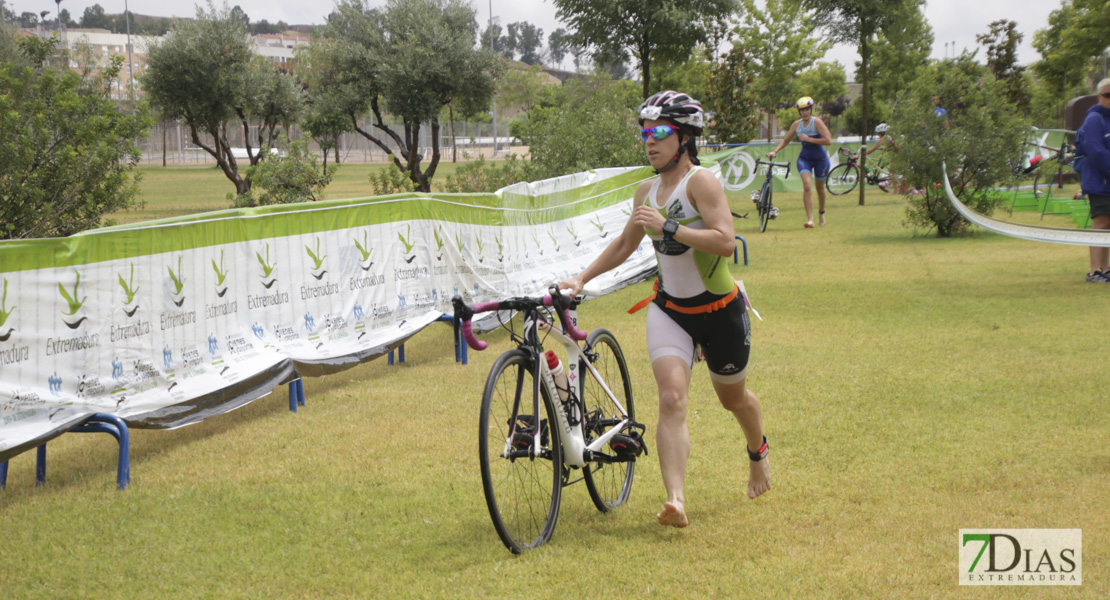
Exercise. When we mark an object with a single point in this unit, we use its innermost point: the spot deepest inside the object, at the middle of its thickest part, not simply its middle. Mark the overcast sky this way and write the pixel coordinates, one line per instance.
(954, 22)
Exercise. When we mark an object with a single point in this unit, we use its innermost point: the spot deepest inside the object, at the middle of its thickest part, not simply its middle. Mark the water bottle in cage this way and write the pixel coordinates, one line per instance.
(559, 375)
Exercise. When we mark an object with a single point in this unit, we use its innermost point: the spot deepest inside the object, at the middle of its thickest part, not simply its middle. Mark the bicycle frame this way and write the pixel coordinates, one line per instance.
(575, 450)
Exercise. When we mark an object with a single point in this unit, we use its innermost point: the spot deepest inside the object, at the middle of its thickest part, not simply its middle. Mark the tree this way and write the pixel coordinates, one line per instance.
(94, 18)
(564, 138)
(288, 177)
(411, 58)
(731, 98)
(649, 30)
(558, 45)
(858, 22)
(780, 43)
(206, 74)
(527, 41)
(68, 151)
(899, 52)
(1070, 46)
(1002, 45)
(986, 136)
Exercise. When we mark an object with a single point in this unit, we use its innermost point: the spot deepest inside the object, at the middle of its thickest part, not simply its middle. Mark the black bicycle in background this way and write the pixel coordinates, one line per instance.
(762, 197)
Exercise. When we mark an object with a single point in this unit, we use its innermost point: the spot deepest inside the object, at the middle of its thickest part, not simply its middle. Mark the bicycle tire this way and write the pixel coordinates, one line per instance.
(765, 206)
(842, 179)
(522, 494)
(609, 484)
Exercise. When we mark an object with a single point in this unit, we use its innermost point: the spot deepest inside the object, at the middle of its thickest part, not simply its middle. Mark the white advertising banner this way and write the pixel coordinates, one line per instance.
(166, 323)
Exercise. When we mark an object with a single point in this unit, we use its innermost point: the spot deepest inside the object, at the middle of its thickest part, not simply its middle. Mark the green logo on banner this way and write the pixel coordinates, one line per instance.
(129, 290)
(364, 250)
(266, 267)
(573, 234)
(596, 222)
(405, 241)
(74, 304)
(317, 259)
(554, 240)
(178, 281)
(221, 274)
(439, 244)
(5, 313)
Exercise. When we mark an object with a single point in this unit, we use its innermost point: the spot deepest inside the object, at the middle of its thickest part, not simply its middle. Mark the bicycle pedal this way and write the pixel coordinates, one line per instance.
(629, 445)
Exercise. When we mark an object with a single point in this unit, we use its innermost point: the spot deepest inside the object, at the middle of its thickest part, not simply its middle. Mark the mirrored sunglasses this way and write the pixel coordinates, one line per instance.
(659, 132)
(1105, 94)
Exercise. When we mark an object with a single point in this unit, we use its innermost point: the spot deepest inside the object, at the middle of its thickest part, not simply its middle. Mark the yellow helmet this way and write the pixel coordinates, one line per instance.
(804, 102)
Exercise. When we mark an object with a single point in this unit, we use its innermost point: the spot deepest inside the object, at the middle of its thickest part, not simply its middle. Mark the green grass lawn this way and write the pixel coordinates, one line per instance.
(179, 190)
(911, 387)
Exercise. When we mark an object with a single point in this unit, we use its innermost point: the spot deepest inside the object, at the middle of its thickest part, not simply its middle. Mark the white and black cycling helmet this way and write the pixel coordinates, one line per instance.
(674, 106)
(882, 128)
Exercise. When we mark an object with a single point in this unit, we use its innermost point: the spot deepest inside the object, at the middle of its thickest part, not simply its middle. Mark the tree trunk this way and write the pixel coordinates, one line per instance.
(864, 54)
(454, 146)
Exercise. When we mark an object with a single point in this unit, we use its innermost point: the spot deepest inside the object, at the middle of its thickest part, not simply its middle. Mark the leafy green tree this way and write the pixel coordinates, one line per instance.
(648, 30)
(207, 75)
(986, 136)
(287, 177)
(780, 42)
(95, 18)
(411, 58)
(824, 82)
(563, 137)
(558, 45)
(731, 98)
(68, 151)
(859, 22)
(527, 42)
(1002, 43)
(1077, 34)
(325, 129)
(690, 76)
(899, 52)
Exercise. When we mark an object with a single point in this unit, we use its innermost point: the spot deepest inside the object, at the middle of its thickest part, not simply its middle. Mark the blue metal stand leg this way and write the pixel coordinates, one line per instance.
(300, 392)
(3, 474)
(40, 465)
(293, 395)
(735, 252)
(401, 354)
(114, 426)
(390, 358)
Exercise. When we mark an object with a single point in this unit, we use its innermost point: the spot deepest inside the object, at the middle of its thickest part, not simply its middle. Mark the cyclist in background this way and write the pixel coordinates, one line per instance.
(696, 303)
(885, 141)
(813, 161)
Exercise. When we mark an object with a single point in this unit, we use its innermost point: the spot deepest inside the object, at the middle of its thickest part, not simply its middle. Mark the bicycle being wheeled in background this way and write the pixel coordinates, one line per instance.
(844, 177)
(541, 421)
(762, 197)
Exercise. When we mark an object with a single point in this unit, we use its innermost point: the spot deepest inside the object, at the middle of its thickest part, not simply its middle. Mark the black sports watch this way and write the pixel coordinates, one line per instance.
(669, 229)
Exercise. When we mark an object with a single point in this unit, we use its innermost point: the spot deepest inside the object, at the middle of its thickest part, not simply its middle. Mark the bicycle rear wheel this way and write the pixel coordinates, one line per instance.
(609, 484)
(765, 206)
(522, 490)
(842, 179)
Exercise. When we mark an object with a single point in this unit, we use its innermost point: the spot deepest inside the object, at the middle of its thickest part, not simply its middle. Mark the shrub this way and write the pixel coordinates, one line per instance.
(285, 177)
(482, 176)
(984, 138)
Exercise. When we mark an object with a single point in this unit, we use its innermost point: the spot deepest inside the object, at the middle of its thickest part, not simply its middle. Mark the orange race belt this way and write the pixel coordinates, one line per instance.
(713, 306)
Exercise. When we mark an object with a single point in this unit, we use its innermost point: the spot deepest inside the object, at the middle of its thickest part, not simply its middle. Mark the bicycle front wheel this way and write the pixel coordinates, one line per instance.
(609, 484)
(764, 207)
(842, 179)
(523, 489)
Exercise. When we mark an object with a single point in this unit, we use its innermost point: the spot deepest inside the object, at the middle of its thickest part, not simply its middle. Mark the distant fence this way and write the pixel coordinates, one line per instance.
(171, 143)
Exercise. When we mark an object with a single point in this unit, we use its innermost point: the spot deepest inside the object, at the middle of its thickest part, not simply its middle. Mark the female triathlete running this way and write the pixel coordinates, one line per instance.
(813, 161)
(696, 303)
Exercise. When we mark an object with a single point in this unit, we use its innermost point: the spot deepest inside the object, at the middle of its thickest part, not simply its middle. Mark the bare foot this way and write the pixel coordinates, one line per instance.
(822, 221)
(760, 479)
(808, 225)
(673, 515)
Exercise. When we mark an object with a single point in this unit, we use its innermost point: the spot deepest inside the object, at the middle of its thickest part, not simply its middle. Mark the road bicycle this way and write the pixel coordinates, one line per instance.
(762, 197)
(1043, 182)
(535, 431)
(844, 177)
